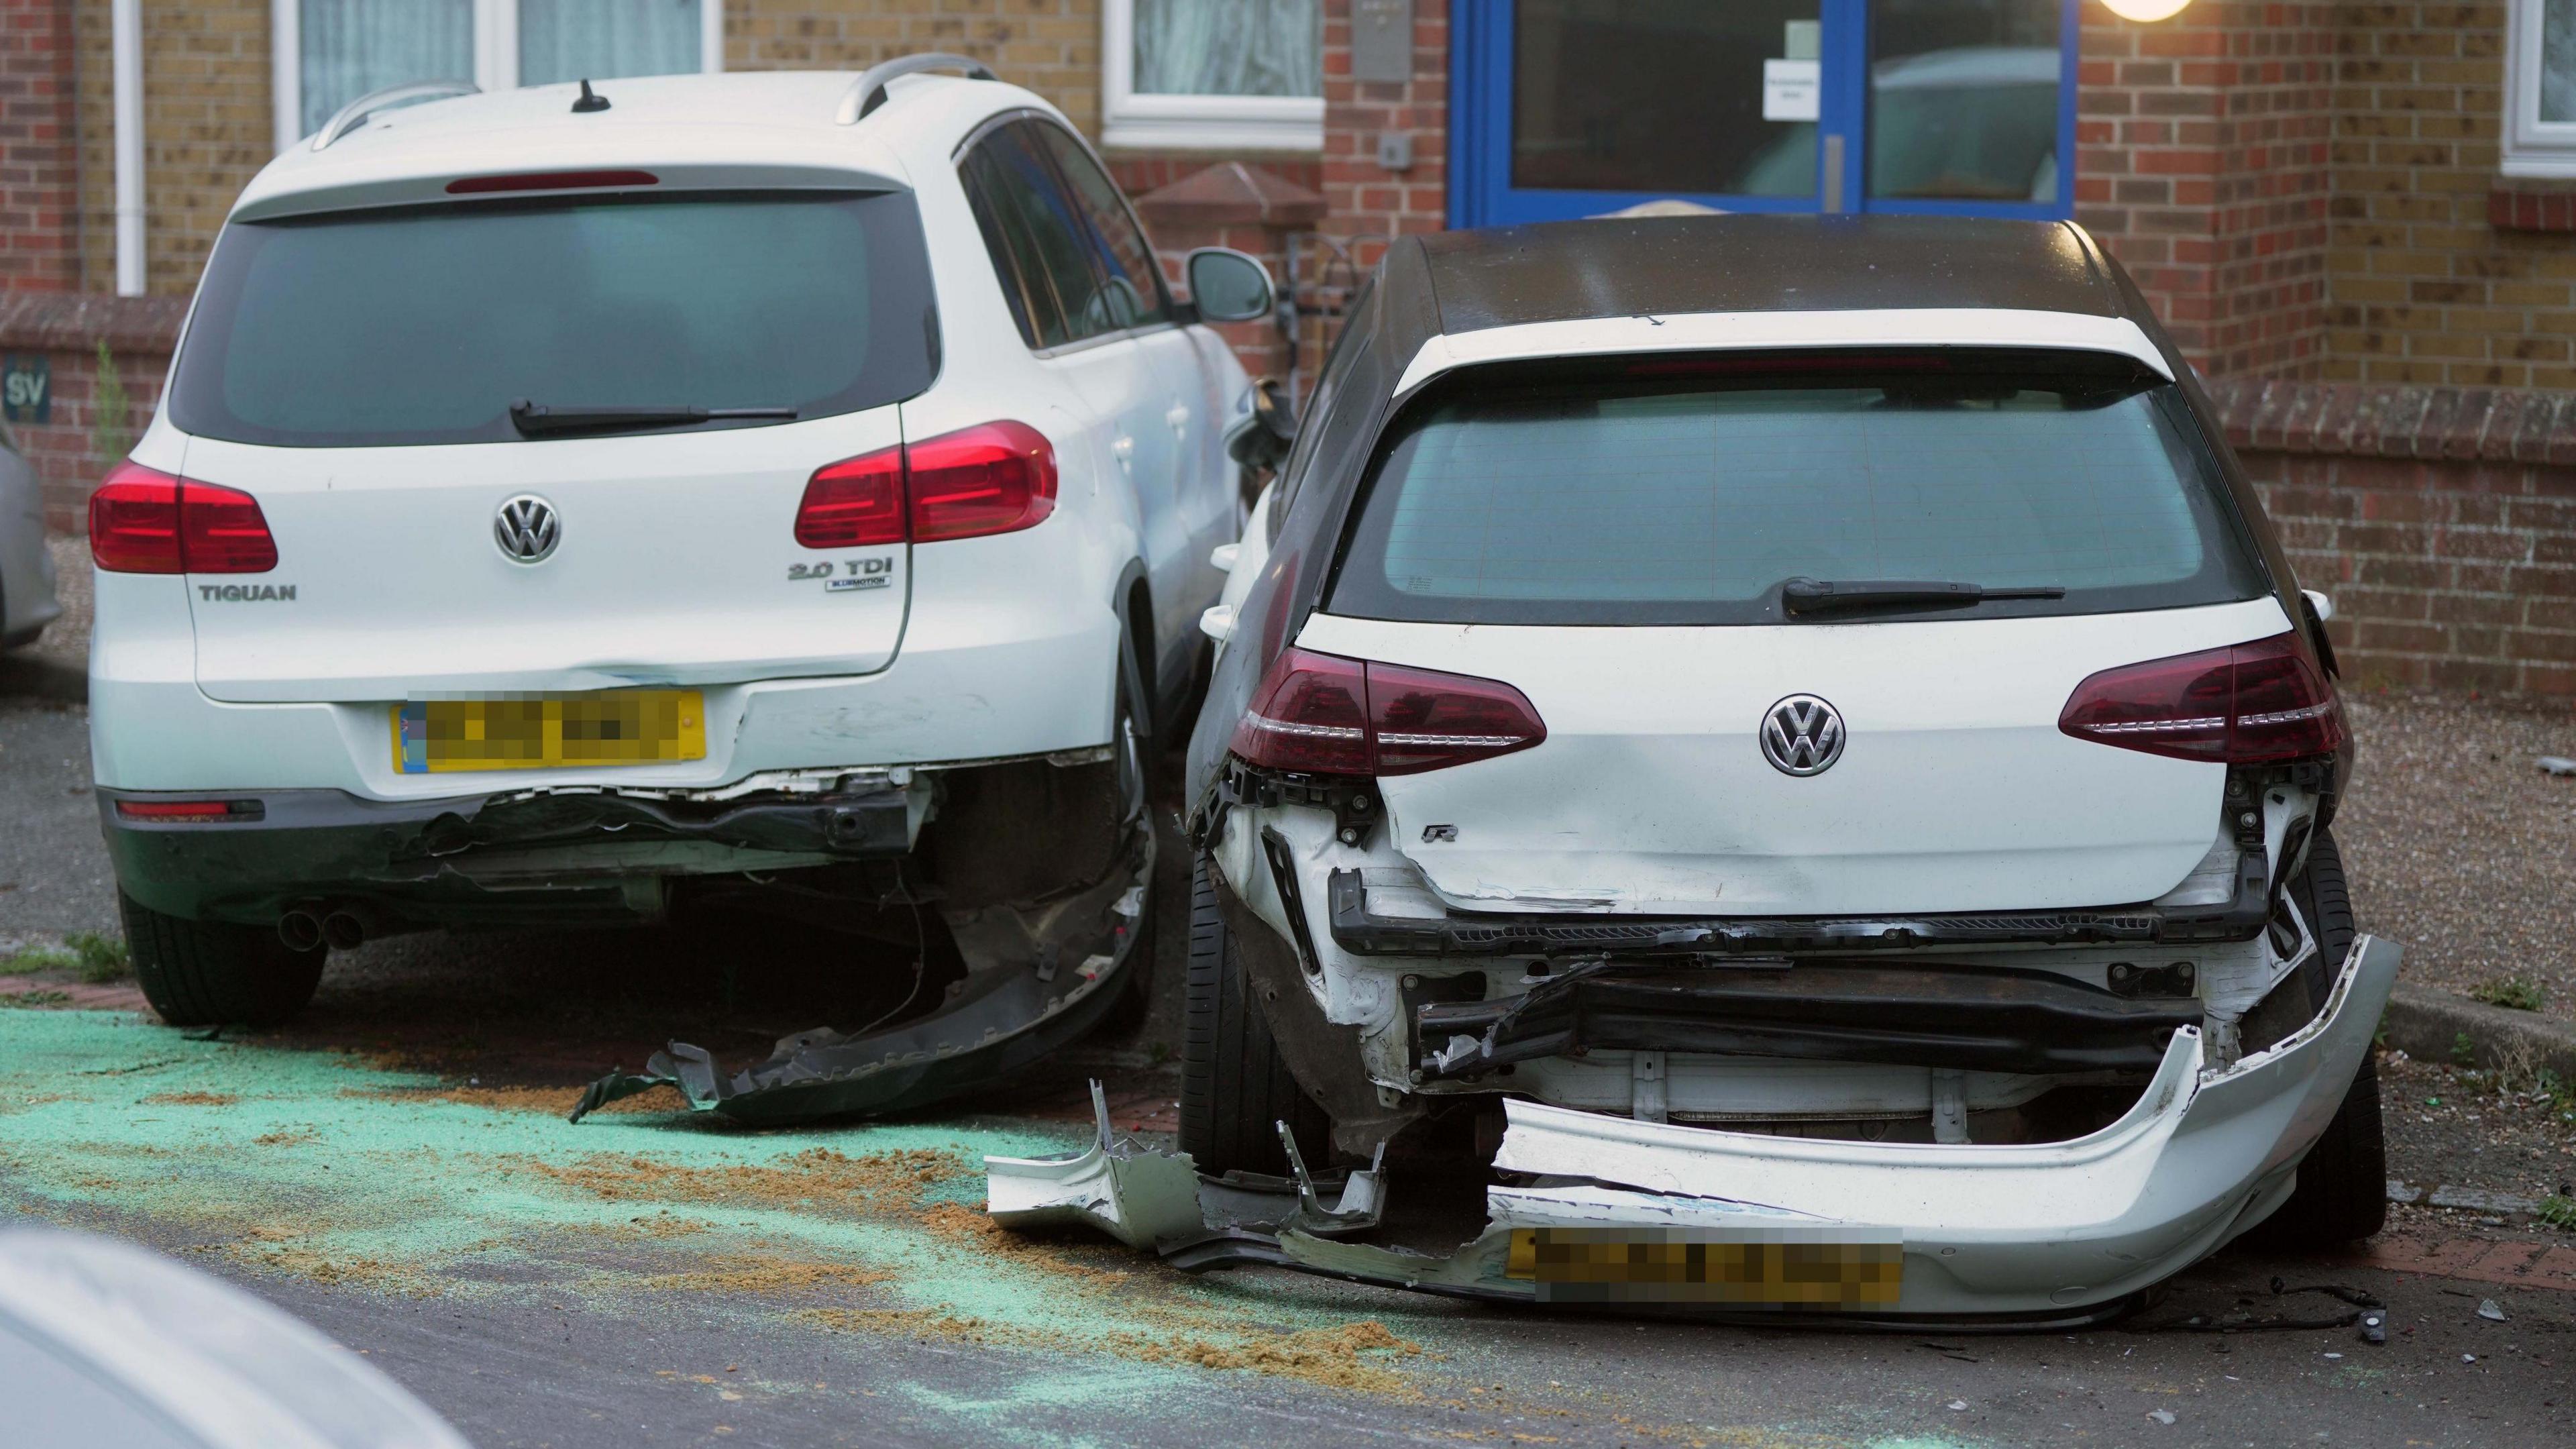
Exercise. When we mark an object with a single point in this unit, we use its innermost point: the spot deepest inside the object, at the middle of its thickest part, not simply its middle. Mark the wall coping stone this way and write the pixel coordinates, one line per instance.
(79, 321)
(1230, 193)
(2398, 420)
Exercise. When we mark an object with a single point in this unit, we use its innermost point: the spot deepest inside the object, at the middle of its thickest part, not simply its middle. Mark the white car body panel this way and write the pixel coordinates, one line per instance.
(1956, 790)
(1715, 331)
(1009, 646)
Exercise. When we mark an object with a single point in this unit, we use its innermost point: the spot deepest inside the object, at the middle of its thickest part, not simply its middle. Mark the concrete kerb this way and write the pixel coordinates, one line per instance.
(34, 676)
(2430, 1025)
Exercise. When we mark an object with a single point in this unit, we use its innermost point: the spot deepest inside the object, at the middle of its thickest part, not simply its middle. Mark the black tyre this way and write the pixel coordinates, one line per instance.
(2343, 1182)
(1234, 1086)
(208, 973)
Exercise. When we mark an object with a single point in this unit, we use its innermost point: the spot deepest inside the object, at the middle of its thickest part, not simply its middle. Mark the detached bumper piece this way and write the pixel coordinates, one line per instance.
(1460, 933)
(1967, 1017)
(1657, 1217)
(1004, 1016)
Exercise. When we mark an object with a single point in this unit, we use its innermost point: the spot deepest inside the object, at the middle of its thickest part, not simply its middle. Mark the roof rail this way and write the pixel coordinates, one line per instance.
(353, 115)
(870, 91)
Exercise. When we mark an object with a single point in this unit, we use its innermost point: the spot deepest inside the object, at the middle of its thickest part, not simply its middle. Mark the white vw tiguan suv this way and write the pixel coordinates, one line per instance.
(569, 505)
(1781, 731)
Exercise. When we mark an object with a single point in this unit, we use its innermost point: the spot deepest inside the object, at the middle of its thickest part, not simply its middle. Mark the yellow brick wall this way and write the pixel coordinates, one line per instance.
(2421, 288)
(1050, 46)
(207, 123)
(206, 131)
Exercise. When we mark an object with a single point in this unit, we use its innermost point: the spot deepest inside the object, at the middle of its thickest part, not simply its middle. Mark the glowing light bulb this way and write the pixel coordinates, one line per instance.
(2145, 10)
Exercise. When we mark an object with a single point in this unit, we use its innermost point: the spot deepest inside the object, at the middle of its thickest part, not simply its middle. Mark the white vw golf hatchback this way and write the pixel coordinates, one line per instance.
(1782, 731)
(570, 505)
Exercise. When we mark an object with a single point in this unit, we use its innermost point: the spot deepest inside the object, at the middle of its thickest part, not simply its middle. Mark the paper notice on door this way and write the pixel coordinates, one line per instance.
(1789, 90)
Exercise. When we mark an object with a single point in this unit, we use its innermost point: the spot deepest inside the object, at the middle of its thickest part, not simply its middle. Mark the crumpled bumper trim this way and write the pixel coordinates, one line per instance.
(2002, 1236)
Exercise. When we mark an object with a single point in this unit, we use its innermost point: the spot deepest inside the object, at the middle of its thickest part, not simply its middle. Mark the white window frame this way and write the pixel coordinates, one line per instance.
(496, 55)
(2532, 147)
(1197, 123)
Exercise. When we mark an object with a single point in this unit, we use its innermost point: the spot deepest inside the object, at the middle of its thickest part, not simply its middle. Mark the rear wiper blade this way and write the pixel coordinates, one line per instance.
(1822, 596)
(531, 417)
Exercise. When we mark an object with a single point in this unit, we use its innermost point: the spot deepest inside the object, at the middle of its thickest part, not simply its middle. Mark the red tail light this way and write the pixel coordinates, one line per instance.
(550, 181)
(2247, 704)
(1326, 715)
(852, 503)
(997, 478)
(142, 521)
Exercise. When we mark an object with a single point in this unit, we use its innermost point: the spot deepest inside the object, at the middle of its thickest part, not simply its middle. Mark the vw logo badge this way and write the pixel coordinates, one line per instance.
(1802, 735)
(527, 529)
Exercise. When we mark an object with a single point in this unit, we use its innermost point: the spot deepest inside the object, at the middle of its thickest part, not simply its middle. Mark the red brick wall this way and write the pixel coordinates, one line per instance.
(39, 185)
(2442, 520)
(1370, 204)
(2201, 162)
(67, 328)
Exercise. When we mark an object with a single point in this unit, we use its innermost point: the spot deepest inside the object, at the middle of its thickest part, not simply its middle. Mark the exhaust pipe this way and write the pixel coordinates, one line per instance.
(344, 931)
(300, 930)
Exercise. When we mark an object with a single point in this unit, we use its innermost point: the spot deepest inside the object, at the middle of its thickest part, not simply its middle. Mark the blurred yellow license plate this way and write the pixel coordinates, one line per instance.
(630, 727)
(1680, 1265)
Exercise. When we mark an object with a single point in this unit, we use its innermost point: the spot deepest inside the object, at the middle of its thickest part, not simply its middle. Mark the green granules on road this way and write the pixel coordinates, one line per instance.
(324, 1166)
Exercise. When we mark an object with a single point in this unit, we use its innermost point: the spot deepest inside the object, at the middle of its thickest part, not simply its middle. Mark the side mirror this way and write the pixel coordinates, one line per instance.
(1265, 443)
(1228, 286)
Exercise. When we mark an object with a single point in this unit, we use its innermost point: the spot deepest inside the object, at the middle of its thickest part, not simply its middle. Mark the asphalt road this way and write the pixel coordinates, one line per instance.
(395, 1170)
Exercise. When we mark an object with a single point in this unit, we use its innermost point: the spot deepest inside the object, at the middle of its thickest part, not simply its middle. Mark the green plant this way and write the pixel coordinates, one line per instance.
(2512, 992)
(39, 959)
(2464, 1052)
(35, 998)
(111, 422)
(2558, 1212)
(102, 957)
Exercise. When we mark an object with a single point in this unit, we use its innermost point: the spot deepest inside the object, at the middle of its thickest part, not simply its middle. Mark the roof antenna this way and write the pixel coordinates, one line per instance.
(587, 102)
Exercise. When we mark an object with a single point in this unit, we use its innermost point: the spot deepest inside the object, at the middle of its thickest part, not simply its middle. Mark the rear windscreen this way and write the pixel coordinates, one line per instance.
(1688, 492)
(423, 324)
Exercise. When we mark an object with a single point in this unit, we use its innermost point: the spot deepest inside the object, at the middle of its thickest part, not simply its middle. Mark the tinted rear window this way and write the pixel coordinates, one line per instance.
(1689, 493)
(422, 325)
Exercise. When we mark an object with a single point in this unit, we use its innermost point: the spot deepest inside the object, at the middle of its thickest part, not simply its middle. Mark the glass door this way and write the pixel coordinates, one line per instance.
(1571, 108)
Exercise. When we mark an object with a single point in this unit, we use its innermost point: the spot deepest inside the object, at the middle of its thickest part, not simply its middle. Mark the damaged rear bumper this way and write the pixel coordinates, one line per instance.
(1613, 1210)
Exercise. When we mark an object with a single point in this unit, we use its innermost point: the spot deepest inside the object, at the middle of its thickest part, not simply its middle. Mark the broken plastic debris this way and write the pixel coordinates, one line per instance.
(1957, 1404)
(2487, 1309)
(1156, 1200)
(2468, 1358)
(2161, 1416)
(1003, 1016)
(2374, 1328)
(2558, 764)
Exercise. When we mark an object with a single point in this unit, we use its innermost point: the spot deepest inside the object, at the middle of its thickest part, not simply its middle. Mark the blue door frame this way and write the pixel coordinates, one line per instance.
(1480, 130)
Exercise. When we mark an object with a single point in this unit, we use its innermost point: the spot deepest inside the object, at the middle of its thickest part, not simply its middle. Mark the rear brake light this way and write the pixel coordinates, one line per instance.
(143, 521)
(2246, 704)
(551, 181)
(189, 809)
(1323, 714)
(996, 478)
(855, 502)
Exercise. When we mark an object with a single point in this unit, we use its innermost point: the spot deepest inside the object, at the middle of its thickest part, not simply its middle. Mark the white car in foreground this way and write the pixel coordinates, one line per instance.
(1795, 739)
(575, 505)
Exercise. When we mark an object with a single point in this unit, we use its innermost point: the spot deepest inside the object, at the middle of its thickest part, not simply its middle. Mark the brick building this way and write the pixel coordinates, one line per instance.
(2358, 218)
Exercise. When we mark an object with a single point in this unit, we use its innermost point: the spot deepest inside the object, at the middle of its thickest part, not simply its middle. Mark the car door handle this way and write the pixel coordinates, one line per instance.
(1124, 450)
(1178, 417)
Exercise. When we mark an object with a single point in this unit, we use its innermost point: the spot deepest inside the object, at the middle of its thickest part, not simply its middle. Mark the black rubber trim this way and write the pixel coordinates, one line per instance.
(1460, 933)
